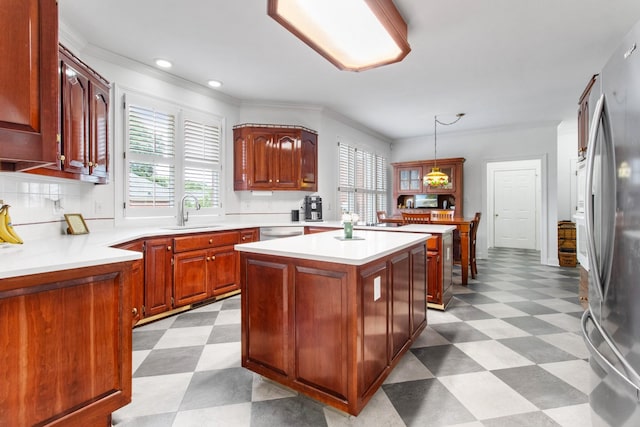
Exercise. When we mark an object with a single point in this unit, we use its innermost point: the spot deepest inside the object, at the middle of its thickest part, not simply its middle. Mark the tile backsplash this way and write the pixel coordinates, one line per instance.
(38, 204)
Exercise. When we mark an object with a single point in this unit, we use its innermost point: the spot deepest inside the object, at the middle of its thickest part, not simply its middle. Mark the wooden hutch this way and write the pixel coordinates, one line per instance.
(407, 183)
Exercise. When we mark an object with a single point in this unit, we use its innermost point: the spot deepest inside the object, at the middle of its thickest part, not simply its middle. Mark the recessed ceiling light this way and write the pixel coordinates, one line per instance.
(214, 83)
(163, 63)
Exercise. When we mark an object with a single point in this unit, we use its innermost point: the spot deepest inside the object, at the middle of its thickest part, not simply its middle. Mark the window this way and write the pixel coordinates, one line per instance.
(362, 186)
(170, 152)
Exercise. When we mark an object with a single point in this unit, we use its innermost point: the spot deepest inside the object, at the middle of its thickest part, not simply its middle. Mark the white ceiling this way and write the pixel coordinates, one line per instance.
(502, 62)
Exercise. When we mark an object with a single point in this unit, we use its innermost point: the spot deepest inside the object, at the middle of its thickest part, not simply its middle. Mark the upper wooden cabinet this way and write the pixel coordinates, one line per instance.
(407, 182)
(269, 157)
(28, 84)
(84, 124)
(585, 110)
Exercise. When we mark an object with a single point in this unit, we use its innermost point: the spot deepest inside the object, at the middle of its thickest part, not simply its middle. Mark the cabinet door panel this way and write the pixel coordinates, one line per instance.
(224, 266)
(261, 156)
(400, 303)
(157, 281)
(419, 270)
(99, 130)
(309, 161)
(267, 343)
(374, 298)
(321, 335)
(190, 277)
(286, 158)
(29, 81)
(75, 110)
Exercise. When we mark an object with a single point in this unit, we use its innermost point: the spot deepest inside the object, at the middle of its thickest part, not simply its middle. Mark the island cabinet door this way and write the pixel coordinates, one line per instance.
(419, 287)
(400, 324)
(265, 315)
(374, 334)
(321, 323)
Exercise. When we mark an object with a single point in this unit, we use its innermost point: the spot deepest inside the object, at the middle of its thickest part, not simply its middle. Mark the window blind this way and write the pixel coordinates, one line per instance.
(362, 186)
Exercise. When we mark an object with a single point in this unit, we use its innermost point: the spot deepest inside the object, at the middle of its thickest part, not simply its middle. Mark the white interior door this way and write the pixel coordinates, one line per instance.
(515, 208)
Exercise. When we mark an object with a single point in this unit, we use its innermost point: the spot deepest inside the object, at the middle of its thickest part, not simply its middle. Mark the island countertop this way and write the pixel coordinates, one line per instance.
(366, 246)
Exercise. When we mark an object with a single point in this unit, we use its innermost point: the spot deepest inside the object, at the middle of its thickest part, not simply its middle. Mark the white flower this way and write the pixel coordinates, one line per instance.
(350, 217)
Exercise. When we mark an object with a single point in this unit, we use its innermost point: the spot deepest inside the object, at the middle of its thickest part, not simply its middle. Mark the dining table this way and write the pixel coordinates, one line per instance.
(463, 226)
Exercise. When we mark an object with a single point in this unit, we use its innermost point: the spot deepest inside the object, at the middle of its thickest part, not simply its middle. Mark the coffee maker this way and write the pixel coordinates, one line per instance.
(312, 208)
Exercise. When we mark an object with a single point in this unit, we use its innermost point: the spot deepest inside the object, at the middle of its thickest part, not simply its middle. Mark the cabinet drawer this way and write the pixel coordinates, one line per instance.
(204, 241)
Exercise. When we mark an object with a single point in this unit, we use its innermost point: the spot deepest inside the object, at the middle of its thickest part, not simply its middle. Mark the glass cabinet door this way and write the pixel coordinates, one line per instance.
(410, 180)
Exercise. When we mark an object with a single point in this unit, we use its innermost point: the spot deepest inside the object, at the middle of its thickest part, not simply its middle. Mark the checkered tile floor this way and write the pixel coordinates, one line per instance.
(506, 352)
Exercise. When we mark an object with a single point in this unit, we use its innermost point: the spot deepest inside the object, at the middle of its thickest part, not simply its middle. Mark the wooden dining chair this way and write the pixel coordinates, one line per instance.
(442, 214)
(472, 241)
(415, 218)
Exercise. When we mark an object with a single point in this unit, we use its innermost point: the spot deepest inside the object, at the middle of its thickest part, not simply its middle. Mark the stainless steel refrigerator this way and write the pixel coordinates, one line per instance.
(611, 324)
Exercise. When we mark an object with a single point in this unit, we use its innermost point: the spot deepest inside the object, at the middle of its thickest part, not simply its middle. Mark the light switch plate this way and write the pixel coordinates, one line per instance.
(376, 288)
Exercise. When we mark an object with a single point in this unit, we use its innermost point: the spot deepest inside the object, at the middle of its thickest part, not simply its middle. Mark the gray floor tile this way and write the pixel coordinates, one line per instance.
(540, 387)
(293, 411)
(446, 360)
(218, 388)
(537, 350)
(533, 325)
(459, 332)
(531, 419)
(224, 333)
(146, 339)
(426, 403)
(189, 319)
(169, 361)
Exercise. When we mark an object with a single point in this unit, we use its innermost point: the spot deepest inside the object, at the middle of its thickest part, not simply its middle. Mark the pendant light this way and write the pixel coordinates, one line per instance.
(436, 178)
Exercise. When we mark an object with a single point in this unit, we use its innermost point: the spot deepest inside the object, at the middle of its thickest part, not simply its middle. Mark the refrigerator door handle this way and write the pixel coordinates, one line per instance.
(603, 361)
(601, 257)
(594, 267)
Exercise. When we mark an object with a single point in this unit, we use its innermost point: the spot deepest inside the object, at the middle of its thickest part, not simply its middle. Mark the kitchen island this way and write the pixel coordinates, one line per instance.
(329, 317)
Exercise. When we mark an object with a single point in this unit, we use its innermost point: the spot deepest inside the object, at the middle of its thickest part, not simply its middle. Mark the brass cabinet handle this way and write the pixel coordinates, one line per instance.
(213, 258)
(168, 248)
(90, 163)
(62, 157)
(134, 311)
(208, 259)
(210, 241)
(244, 237)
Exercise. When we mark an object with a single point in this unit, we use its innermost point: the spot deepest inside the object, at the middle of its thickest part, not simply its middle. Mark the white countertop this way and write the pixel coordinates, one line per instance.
(66, 252)
(326, 247)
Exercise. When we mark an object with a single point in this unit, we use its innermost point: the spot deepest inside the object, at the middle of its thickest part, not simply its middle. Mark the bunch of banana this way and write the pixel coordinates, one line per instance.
(7, 233)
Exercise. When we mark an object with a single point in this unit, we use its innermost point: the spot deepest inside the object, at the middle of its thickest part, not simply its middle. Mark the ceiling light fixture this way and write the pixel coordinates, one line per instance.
(214, 83)
(163, 63)
(436, 178)
(353, 35)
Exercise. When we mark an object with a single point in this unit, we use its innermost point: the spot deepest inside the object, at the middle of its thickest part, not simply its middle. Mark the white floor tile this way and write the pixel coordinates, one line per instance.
(500, 310)
(184, 337)
(485, 396)
(228, 317)
(569, 342)
(562, 320)
(437, 316)
(574, 372)
(155, 395)
(571, 416)
(497, 328)
(493, 355)
(222, 416)
(265, 389)
(138, 357)
(560, 305)
(220, 356)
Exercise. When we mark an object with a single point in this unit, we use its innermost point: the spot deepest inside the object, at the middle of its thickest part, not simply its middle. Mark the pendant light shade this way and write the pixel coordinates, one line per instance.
(436, 178)
(353, 35)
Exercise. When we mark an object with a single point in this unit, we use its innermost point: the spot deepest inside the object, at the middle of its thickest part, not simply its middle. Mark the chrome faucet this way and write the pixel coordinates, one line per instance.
(182, 218)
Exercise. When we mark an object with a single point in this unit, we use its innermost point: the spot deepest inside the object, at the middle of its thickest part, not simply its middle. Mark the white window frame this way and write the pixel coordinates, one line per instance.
(353, 183)
(181, 114)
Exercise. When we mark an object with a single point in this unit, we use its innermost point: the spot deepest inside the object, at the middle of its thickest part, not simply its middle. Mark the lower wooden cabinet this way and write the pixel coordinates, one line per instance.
(158, 257)
(137, 281)
(331, 331)
(440, 270)
(66, 346)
